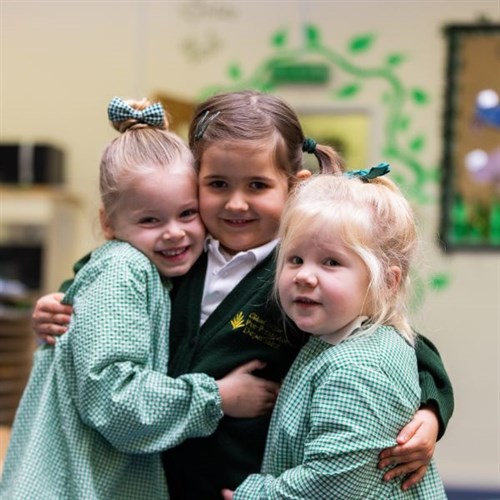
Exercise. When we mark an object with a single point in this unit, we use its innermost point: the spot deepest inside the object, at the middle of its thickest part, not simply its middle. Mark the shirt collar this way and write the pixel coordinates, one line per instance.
(259, 254)
(336, 337)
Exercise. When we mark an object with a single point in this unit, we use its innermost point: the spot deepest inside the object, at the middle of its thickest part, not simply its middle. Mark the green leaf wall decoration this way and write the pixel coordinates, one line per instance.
(361, 43)
(396, 98)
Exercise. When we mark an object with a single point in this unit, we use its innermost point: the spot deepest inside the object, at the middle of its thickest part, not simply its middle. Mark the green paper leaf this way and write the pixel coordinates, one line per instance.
(361, 43)
(395, 59)
(348, 91)
(312, 35)
(279, 39)
(420, 96)
(234, 71)
(417, 144)
(440, 281)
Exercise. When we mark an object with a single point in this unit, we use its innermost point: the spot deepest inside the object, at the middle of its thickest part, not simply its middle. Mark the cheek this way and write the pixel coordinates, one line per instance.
(206, 207)
(284, 285)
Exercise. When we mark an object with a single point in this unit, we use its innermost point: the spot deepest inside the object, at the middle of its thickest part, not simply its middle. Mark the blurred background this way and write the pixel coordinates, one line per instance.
(413, 83)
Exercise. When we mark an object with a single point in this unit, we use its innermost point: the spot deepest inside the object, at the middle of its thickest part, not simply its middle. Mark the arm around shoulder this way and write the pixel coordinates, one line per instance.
(437, 391)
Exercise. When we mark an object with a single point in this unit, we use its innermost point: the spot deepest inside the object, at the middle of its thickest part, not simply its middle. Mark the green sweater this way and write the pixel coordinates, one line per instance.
(247, 325)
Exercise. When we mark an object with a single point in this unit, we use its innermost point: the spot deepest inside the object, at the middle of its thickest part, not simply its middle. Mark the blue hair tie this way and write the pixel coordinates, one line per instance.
(372, 173)
(120, 111)
(309, 145)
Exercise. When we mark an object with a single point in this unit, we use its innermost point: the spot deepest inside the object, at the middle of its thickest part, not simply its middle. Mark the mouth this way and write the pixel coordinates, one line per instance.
(173, 253)
(305, 301)
(238, 222)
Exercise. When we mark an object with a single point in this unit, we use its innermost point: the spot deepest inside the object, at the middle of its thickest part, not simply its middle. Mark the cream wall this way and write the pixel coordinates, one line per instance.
(61, 62)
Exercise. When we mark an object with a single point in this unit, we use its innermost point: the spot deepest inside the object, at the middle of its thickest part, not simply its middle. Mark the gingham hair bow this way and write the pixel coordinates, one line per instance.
(372, 173)
(119, 111)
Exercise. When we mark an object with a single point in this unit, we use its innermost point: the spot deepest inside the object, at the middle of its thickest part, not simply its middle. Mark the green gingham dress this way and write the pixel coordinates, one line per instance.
(99, 406)
(339, 406)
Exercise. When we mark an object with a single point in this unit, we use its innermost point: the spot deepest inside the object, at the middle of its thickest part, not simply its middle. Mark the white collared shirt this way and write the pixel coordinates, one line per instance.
(225, 271)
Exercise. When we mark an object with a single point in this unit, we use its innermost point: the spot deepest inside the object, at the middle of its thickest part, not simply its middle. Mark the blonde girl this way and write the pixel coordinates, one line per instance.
(347, 244)
(99, 406)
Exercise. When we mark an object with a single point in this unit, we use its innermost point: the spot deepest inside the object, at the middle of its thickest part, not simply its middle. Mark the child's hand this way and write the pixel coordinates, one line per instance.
(50, 318)
(227, 494)
(244, 395)
(416, 443)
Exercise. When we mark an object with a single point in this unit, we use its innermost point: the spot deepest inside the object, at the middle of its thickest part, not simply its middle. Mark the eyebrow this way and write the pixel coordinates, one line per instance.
(249, 178)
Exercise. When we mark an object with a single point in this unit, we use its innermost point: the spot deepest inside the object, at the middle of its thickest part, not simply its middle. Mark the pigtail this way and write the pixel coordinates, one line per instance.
(329, 160)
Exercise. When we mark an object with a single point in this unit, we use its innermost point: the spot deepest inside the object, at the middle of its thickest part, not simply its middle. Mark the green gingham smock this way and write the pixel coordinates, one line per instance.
(339, 406)
(99, 406)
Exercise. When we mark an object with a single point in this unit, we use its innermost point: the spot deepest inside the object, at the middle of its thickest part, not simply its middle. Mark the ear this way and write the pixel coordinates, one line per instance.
(106, 225)
(304, 174)
(300, 176)
(394, 277)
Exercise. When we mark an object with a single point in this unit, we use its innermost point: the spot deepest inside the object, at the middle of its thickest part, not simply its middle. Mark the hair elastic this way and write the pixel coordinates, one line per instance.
(309, 145)
(372, 173)
(120, 111)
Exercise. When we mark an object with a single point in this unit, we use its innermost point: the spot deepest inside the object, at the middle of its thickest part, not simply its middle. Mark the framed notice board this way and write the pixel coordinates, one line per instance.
(470, 205)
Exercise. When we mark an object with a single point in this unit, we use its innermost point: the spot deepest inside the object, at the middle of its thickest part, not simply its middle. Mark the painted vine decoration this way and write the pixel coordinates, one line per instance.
(397, 99)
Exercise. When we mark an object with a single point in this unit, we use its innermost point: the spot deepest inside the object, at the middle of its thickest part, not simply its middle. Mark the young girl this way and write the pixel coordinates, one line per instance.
(346, 248)
(248, 150)
(102, 396)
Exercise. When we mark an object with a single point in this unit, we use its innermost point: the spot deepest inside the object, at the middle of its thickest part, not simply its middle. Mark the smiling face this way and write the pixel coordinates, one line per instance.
(242, 195)
(158, 214)
(322, 286)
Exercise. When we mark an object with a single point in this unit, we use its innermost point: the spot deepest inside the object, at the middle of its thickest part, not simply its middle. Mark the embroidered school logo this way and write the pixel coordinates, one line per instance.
(259, 329)
(238, 321)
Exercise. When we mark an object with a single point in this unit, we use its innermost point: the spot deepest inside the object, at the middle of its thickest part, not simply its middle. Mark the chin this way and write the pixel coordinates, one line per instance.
(307, 327)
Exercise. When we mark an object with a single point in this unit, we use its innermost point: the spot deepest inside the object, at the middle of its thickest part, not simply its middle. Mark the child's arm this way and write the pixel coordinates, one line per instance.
(417, 440)
(50, 317)
(352, 414)
(246, 396)
(119, 349)
(416, 444)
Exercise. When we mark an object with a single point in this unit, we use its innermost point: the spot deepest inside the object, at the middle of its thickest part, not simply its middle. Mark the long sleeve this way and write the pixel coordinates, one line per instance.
(434, 382)
(338, 408)
(350, 422)
(118, 340)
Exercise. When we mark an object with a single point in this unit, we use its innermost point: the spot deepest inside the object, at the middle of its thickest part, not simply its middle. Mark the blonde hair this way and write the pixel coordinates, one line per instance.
(139, 148)
(261, 121)
(374, 220)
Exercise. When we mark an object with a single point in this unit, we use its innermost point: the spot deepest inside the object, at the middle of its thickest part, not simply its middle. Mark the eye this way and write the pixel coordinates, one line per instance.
(189, 213)
(217, 184)
(148, 221)
(258, 185)
(330, 262)
(295, 260)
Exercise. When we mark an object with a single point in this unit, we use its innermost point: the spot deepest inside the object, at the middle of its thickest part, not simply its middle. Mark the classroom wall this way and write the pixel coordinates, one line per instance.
(61, 62)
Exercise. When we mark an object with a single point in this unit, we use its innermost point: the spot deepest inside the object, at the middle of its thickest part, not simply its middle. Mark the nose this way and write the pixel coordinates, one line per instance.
(236, 202)
(305, 277)
(173, 232)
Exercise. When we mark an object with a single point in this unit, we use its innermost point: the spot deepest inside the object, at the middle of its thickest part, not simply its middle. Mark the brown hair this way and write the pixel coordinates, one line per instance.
(140, 146)
(262, 119)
